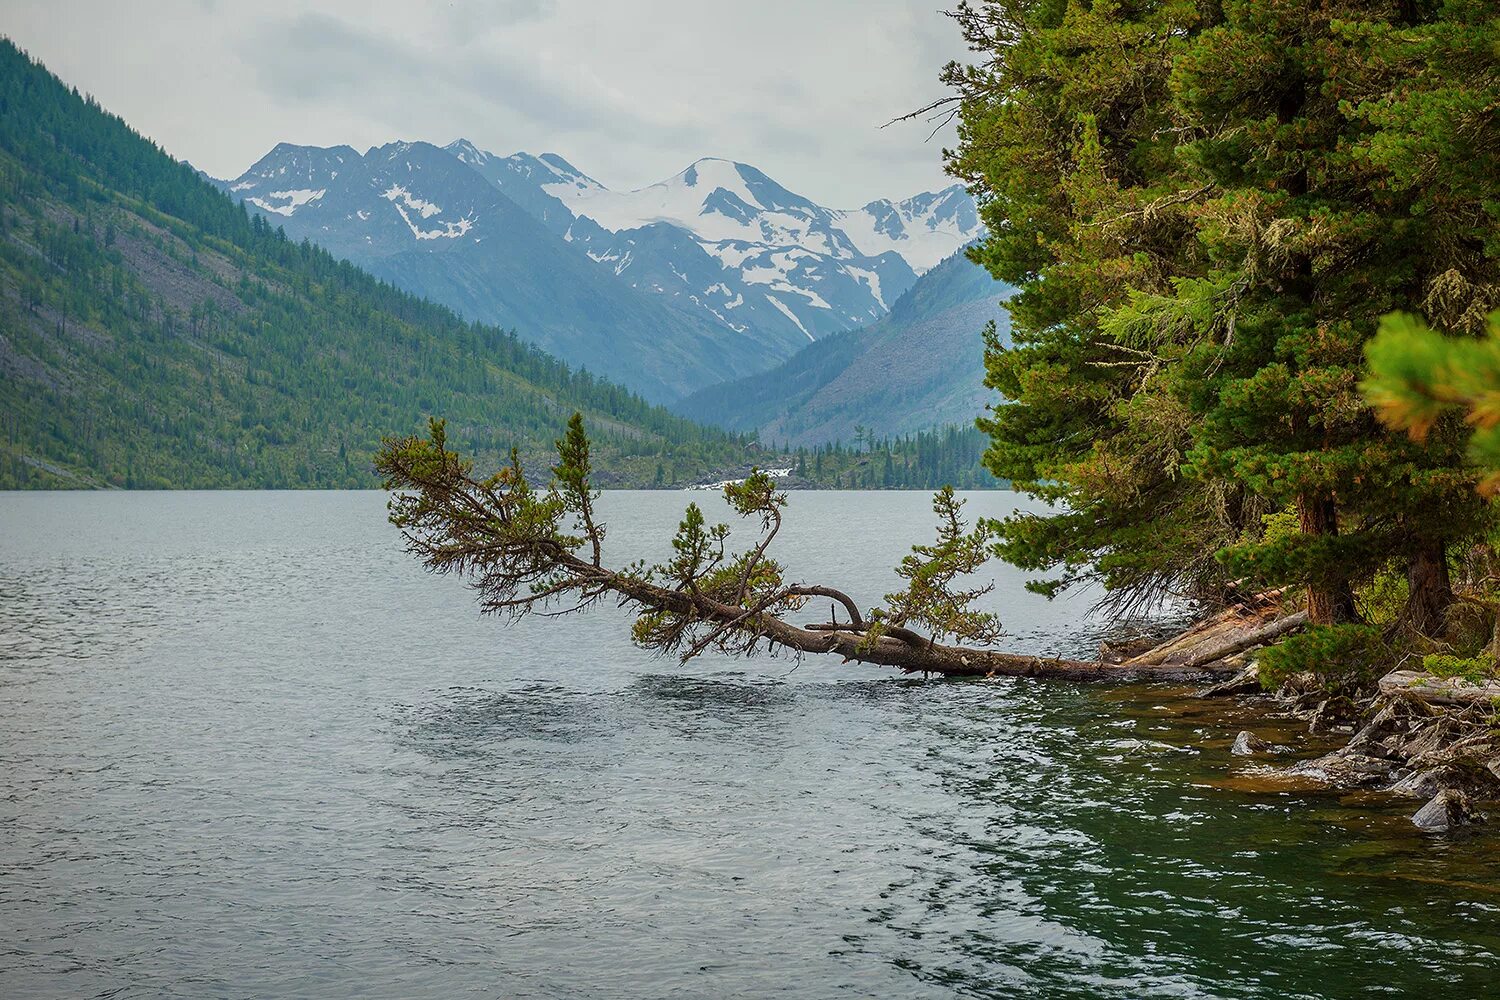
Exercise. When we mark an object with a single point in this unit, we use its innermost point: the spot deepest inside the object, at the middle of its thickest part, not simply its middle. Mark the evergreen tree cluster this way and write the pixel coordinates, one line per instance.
(946, 456)
(1209, 206)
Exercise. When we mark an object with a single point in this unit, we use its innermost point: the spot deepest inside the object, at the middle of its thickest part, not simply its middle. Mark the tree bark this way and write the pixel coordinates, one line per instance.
(1430, 589)
(1330, 600)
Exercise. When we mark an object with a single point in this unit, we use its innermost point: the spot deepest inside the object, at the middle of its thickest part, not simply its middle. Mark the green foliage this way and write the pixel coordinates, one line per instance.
(696, 548)
(572, 473)
(1418, 376)
(499, 530)
(751, 583)
(1345, 659)
(1474, 669)
(1207, 211)
(1067, 132)
(1382, 600)
(930, 599)
(756, 495)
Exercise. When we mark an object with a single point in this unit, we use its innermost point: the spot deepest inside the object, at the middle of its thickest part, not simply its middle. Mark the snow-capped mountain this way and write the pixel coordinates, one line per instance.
(413, 214)
(289, 177)
(723, 238)
(714, 273)
(925, 229)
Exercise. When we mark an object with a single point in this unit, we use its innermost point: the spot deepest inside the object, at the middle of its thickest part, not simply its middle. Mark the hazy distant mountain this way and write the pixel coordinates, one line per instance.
(416, 216)
(919, 367)
(713, 274)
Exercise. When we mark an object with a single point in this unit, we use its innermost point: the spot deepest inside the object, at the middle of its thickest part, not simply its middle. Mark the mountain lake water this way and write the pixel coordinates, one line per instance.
(249, 748)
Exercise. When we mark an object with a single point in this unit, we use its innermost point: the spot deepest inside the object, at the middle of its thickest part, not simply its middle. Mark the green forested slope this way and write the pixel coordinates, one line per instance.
(153, 335)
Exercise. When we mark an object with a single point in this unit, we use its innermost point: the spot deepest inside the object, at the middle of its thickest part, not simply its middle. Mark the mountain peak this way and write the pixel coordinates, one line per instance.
(558, 163)
(467, 152)
(712, 171)
(552, 173)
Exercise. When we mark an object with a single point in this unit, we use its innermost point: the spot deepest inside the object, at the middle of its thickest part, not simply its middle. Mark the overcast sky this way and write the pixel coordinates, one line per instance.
(631, 91)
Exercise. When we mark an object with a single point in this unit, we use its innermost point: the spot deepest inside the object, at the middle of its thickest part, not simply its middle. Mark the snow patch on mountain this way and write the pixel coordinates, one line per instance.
(712, 199)
(730, 207)
(397, 193)
(290, 200)
(925, 229)
(782, 308)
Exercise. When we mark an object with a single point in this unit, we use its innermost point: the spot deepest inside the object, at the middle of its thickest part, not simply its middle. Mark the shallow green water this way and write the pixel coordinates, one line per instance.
(248, 749)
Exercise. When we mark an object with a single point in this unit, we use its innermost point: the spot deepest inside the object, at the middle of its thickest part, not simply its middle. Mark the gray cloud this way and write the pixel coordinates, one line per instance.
(630, 92)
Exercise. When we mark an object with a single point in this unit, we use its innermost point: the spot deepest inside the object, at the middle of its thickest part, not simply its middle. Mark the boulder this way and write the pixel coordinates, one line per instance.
(1343, 769)
(1333, 715)
(1247, 681)
(1446, 810)
(1420, 784)
(1247, 743)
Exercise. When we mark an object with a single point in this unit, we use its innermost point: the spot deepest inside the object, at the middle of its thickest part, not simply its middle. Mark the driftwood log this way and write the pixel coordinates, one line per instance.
(1440, 690)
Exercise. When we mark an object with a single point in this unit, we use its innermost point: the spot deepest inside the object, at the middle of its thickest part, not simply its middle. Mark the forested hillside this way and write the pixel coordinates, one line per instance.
(944, 456)
(153, 334)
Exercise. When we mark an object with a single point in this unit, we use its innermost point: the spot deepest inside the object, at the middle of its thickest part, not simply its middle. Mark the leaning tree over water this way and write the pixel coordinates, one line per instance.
(532, 549)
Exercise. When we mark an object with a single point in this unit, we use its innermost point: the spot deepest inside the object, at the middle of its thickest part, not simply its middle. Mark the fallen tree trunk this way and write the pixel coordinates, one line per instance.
(1237, 628)
(1262, 636)
(1440, 690)
(891, 647)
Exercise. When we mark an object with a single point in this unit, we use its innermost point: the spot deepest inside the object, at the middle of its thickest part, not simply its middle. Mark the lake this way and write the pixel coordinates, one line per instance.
(248, 748)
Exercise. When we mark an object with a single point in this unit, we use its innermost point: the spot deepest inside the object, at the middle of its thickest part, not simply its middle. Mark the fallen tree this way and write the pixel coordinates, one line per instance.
(541, 551)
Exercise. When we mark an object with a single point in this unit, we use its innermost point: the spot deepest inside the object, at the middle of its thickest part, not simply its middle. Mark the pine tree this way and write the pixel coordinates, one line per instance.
(1202, 206)
(1068, 135)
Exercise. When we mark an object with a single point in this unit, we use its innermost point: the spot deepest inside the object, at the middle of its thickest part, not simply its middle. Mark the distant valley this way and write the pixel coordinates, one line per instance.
(154, 333)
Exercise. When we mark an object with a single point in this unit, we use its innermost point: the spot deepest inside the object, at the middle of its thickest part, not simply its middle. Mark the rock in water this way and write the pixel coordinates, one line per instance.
(1448, 809)
(1247, 743)
(1345, 769)
(1247, 681)
(1419, 784)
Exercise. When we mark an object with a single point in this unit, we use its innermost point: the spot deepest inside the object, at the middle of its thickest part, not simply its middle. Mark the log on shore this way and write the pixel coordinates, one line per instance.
(1440, 690)
(1210, 650)
(1243, 626)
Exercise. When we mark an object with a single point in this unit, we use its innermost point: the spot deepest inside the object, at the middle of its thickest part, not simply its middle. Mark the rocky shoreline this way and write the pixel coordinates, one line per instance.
(1433, 740)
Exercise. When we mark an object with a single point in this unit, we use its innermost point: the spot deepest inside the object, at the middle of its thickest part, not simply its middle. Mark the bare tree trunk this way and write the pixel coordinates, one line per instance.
(1329, 601)
(1431, 591)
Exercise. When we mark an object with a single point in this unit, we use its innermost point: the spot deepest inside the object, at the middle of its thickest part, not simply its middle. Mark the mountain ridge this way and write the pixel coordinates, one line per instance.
(716, 272)
(414, 215)
(871, 378)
